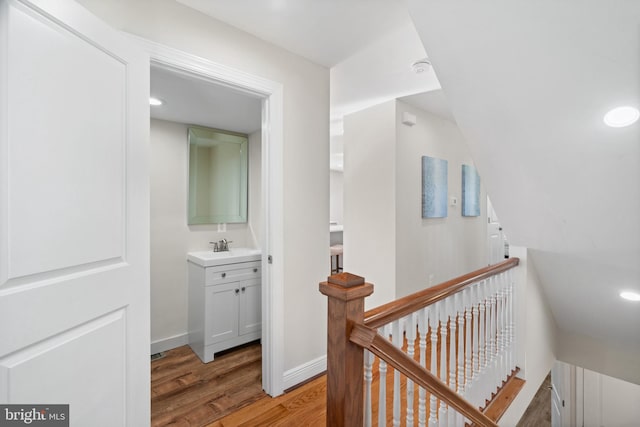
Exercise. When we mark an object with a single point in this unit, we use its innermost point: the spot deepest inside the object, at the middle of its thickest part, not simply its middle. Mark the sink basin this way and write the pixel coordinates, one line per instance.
(232, 256)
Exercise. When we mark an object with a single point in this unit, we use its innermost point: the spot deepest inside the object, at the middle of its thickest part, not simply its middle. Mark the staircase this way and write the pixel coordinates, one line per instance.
(444, 356)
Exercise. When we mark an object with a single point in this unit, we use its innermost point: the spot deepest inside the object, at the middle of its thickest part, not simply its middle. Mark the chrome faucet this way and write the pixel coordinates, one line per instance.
(221, 246)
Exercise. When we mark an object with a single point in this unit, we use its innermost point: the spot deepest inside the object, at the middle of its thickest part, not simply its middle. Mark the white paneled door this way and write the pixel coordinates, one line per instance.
(74, 213)
(495, 243)
(561, 394)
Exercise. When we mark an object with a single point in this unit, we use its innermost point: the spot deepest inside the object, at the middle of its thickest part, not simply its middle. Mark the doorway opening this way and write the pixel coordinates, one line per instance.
(266, 231)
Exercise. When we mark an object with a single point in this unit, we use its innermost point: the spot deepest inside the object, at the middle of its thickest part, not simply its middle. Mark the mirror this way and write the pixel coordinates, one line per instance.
(217, 176)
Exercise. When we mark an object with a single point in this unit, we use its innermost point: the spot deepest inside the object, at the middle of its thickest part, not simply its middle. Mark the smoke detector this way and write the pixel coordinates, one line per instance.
(421, 65)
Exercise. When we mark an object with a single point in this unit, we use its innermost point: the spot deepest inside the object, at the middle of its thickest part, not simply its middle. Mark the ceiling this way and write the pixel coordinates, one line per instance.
(529, 84)
(346, 36)
(326, 32)
(197, 102)
(433, 101)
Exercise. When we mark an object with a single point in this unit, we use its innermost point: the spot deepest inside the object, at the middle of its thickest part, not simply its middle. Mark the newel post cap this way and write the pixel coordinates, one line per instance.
(346, 280)
(346, 286)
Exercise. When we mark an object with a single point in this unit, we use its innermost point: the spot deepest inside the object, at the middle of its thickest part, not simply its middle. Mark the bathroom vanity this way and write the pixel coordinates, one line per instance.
(224, 300)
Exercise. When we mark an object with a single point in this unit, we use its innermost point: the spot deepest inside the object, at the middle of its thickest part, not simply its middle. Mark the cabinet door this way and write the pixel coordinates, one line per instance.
(221, 313)
(250, 306)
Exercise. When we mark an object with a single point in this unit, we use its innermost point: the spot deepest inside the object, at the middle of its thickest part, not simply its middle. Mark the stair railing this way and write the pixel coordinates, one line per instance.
(455, 341)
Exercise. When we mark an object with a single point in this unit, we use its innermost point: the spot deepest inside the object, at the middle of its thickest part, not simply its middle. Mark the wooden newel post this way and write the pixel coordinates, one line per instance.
(345, 360)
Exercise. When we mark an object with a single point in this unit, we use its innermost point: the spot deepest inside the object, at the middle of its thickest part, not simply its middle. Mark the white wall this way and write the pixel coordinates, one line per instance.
(433, 250)
(386, 239)
(536, 334)
(336, 194)
(171, 237)
(606, 401)
(306, 147)
(370, 198)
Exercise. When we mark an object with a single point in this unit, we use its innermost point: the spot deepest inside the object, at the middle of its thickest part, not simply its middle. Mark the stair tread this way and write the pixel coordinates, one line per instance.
(501, 401)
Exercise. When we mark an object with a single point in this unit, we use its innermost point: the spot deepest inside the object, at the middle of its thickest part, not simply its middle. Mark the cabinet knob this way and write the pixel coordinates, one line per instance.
(255, 270)
(224, 275)
(237, 291)
(243, 288)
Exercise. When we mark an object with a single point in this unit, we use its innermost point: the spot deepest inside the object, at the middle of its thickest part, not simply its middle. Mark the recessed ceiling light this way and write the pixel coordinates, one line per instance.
(155, 101)
(621, 117)
(631, 296)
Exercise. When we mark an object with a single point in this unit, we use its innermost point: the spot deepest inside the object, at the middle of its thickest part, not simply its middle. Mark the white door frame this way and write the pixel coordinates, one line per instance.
(272, 191)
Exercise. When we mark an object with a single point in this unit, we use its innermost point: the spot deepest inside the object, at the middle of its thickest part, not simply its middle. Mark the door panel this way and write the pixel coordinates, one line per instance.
(560, 394)
(250, 306)
(101, 341)
(65, 156)
(74, 253)
(221, 312)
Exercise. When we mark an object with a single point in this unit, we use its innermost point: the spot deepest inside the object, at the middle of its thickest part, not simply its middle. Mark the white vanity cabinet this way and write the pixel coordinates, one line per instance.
(224, 306)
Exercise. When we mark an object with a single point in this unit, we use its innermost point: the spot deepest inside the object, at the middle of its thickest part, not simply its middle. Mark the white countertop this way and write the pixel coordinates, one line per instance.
(232, 256)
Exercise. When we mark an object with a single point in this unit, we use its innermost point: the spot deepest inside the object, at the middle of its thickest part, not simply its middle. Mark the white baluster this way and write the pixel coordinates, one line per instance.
(474, 347)
(505, 327)
(459, 301)
(509, 326)
(368, 377)
(433, 324)
(397, 341)
(443, 375)
(500, 338)
(482, 355)
(411, 343)
(423, 330)
(493, 330)
(467, 348)
(504, 279)
(382, 390)
(512, 324)
(453, 319)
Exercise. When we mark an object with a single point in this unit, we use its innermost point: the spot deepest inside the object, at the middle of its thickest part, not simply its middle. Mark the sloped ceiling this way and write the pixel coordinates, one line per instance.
(529, 84)
(326, 31)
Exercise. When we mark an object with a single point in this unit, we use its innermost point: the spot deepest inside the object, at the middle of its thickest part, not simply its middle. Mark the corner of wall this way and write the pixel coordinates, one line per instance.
(536, 335)
(369, 198)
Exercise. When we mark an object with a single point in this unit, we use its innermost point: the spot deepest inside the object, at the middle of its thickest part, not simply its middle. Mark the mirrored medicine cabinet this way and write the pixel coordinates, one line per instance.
(217, 176)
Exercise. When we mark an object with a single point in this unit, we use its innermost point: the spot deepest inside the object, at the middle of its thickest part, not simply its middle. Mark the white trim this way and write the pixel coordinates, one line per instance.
(272, 185)
(169, 343)
(305, 371)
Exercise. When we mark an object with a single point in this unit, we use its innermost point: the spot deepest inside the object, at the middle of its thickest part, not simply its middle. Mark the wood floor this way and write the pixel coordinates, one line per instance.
(538, 414)
(187, 392)
(304, 406)
(227, 392)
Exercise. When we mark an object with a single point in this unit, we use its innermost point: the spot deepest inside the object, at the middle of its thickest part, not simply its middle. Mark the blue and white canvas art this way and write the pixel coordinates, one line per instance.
(470, 191)
(434, 187)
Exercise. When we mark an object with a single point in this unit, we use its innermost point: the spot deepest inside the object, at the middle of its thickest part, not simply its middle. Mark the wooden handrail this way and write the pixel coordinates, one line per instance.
(368, 338)
(399, 308)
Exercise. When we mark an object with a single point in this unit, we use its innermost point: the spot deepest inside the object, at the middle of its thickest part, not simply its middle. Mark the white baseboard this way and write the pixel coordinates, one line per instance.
(169, 343)
(305, 371)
